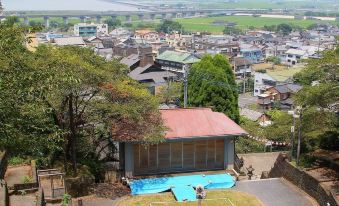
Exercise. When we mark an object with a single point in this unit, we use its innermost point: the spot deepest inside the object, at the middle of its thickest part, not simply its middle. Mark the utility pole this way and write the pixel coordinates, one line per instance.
(299, 139)
(244, 80)
(185, 86)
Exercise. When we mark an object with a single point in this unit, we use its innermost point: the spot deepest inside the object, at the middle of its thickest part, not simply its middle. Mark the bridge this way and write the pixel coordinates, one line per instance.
(141, 14)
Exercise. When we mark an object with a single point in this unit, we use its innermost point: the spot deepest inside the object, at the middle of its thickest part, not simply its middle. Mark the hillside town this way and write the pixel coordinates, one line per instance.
(169, 103)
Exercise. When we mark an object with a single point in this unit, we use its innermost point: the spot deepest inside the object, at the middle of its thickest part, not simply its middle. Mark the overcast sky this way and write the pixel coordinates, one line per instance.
(62, 5)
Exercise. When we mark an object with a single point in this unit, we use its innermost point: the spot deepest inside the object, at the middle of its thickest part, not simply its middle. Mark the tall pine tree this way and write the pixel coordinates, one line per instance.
(211, 83)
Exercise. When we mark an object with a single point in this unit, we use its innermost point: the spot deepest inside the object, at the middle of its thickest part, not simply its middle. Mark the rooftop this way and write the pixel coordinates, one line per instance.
(198, 122)
(176, 56)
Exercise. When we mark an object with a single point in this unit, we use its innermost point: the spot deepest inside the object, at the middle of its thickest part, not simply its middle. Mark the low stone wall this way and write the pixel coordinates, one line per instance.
(282, 168)
(3, 163)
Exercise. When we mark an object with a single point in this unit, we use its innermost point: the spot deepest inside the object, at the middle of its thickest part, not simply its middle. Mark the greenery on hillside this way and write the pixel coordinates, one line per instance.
(59, 103)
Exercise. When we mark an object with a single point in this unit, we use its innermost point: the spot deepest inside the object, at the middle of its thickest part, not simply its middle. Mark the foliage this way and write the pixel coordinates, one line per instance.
(114, 23)
(168, 26)
(211, 83)
(232, 30)
(320, 101)
(284, 29)
(170, 94)
(329, 140)
(246, 145)
(66, 199)
(16, 161)
(27, 179)
(62, 102)
(273, 59)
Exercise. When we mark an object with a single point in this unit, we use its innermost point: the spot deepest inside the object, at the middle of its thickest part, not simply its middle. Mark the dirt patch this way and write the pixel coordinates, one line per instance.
(16, 174)
(110, 191)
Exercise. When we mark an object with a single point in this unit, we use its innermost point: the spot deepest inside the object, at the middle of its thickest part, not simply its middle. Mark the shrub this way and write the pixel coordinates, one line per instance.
(66, 199)
(16, 161)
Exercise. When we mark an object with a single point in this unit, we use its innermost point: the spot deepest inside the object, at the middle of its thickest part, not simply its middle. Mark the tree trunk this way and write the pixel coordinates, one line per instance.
(73, 133)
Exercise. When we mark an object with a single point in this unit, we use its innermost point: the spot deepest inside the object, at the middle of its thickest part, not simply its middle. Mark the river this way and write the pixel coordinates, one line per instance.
(93, 5)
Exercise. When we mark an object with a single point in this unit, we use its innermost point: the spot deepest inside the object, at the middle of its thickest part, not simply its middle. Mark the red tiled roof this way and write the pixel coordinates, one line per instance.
(198, 122)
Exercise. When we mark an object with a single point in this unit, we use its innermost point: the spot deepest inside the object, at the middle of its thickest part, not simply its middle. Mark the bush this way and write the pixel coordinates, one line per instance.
(16, 161)
(329, 140)
(66, 199)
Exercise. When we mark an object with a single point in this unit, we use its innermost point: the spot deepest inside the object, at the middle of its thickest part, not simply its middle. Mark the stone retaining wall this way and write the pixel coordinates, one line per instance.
(282, 168)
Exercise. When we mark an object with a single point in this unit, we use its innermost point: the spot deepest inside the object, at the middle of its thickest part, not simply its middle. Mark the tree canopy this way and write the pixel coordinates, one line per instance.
(66, 100)
(211, 83)
(168, 26)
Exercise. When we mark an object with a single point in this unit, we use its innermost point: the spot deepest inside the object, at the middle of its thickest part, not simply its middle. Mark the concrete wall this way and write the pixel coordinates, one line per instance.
(282, 168)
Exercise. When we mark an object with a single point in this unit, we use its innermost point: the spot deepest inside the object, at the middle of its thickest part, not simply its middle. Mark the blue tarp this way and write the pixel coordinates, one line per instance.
(157, 185)
(184, 193)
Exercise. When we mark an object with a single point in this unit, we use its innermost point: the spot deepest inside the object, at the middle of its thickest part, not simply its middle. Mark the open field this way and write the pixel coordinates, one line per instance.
(206, 23)
(237, 198)
(267, 4)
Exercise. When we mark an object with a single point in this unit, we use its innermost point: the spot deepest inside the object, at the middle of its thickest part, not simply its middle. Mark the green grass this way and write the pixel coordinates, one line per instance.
(267, 4)
(237, 198)
(243, 22)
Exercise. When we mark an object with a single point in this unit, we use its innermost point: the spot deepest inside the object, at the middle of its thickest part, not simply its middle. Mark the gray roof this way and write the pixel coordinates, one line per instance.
(294, 87)
(130, 60)
(63, 41)
(282, 88)
(157, 77)
(250, 114)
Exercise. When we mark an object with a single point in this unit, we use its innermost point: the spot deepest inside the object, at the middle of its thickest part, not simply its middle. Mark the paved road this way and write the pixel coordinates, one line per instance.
(260, 162)
(275, 192)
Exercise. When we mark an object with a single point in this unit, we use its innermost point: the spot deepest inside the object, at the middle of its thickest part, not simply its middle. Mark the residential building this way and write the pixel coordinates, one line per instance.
(176, 60)
(88, 30)
(197, 139)
(266, 79)
(241, 66)
(252, 53)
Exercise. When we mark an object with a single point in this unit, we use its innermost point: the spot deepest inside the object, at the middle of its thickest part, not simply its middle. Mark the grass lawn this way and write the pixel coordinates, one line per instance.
(206, 23)
(237, 198)
(268, 4)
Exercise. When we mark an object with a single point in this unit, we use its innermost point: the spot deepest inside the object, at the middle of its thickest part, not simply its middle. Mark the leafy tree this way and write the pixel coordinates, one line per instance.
(63, 101)
(284, 29)
(232, 30)
(168, 26)
(270, 27)
(211, 83)
(320, 100)
(113, 22)
(170, 93)
(274, 60)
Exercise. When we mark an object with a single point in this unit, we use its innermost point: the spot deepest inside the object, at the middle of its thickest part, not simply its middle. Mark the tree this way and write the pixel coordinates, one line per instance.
(170, 93)
(284, 29)
(274, 60)
(168, 26)
(66, 100)
(211, 83)
(232, 30)
(114, 23)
